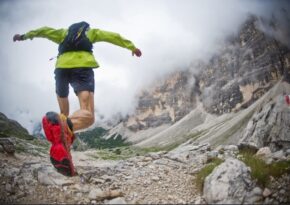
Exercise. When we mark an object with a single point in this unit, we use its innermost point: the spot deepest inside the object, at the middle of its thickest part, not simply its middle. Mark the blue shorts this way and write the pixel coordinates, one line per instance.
(81, 79)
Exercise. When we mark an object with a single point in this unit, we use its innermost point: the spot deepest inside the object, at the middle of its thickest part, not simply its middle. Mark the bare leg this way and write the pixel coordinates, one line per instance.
(63, 105)
(84, 117)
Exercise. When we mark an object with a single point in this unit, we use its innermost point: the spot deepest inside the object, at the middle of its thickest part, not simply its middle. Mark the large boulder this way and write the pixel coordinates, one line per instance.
(229, 183)
(269, 126)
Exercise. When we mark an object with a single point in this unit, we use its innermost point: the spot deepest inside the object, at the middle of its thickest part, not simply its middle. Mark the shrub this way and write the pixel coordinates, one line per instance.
(262, 171)
(205, 171)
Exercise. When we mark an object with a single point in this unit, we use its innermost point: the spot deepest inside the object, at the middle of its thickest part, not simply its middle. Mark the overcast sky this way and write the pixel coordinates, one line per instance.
(170, 33)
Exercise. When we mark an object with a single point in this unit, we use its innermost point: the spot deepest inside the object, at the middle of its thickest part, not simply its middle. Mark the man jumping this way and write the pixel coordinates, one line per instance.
(74, 66)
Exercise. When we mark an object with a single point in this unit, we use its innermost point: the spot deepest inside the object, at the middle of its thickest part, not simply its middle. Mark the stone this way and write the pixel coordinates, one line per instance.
(199, 200)
(257, 191)
(278, 155)
(288, 152)
(108, 178)
(99, 194)
(233, 148)
(119, 200)
(282, 192)
(20, 195)
(78, 195)
(97, 181)
(8, 188)
(268, 201)
(228, 183)
(155, 178)
(212, 154)
(49, 176)
(264, 152)
(44, 179)
(147, 159)
(156, 155)
(96, 193)
(253, 199)
(269, 160)
(266, 192)
(63, 182)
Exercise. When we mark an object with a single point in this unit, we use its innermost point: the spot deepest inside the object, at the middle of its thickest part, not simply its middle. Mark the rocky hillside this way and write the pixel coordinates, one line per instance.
(10, 127)
(182, 175)
(164, 104)
(245, 69)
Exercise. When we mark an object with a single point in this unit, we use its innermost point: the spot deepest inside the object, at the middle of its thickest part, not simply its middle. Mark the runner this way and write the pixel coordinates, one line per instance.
(74, 66)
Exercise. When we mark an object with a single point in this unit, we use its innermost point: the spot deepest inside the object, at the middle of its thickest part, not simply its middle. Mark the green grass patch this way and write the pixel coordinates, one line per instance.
(117, 153)
(126, 152)
(40, 142)
(123, 150)
(15, 133)
(95, 139)
(262, 171)
(205, 171)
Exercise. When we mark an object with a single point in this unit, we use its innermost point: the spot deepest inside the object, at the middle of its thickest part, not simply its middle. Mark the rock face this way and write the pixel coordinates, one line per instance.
(165, 104)
(229, 183)
(247, 66)
(244, 70)
(269, 126)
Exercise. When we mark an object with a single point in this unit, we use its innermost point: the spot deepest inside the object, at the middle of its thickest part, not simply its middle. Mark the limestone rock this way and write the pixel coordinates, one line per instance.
(99, 194)
(166, 103)
(279, 155)
(266, 192)
(96, 194)
(119, 200)
(49, 176)
(269, 126)
(264, 152)
(228, 183)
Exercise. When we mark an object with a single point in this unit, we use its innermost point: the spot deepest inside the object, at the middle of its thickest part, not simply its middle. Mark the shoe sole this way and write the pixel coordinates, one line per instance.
(52, 117)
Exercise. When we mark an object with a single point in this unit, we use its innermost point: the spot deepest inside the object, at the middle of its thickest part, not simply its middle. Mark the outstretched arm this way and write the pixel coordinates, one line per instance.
(96, 35)
(55, 35)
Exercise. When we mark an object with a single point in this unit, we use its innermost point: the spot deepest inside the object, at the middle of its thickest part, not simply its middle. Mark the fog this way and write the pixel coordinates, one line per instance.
(170, 33)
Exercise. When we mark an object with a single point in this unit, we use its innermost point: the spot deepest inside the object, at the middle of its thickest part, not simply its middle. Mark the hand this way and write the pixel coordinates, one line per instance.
(136, 52)
(18, 37)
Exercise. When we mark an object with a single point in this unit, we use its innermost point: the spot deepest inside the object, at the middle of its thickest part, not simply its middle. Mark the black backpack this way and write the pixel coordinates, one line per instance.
(76, 39)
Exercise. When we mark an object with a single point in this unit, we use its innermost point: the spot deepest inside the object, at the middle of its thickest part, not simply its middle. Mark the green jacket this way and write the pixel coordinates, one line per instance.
(79, 59)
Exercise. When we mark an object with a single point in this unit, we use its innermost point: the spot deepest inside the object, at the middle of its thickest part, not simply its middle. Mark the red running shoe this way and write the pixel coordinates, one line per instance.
(61, 137)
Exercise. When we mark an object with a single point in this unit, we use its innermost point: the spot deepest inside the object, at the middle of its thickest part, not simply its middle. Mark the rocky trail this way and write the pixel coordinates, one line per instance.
(157, 177)
(154, 178)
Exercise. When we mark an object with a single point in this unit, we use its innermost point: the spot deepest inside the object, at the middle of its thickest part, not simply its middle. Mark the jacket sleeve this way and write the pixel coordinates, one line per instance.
(55, 35)
(96, 35)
